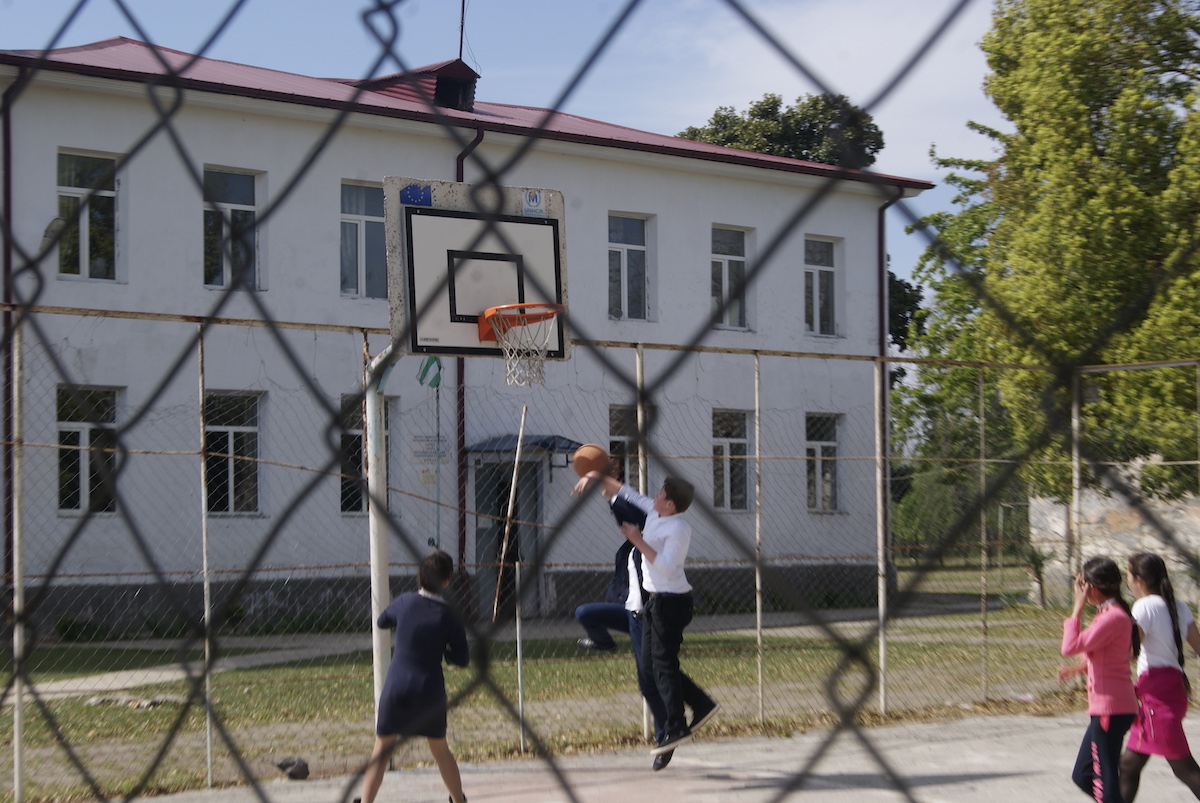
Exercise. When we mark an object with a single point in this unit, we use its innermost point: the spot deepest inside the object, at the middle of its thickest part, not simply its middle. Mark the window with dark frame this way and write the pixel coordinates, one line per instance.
(821, 432)
(230, 233)
(730, 454)
(354, 496)
(728, 273)
(87, 203)
(623, 441)
(363, 248)
(819, 287)
(87, 444)
(627, 278)
(231, 452)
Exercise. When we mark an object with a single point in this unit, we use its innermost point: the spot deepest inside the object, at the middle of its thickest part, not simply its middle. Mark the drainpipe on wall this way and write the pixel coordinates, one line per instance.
(460, 396)
(462, 157)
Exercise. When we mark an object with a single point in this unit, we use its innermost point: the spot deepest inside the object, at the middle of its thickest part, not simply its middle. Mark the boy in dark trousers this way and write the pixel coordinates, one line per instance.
(663, 544)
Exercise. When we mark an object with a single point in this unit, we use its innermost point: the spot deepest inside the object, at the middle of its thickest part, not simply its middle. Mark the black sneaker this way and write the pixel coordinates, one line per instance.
(662, 760)
(701, 717)
(590, 644)
(670, 742)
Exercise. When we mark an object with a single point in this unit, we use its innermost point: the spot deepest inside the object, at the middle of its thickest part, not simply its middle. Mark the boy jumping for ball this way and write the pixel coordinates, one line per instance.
(663, 543)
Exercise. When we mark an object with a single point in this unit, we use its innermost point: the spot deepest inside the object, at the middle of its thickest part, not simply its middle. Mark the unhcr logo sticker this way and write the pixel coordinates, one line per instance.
(533, 203)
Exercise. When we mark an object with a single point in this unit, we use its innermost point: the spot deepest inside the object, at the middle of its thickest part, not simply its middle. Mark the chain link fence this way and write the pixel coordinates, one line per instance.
(134, 540)
(190, 568)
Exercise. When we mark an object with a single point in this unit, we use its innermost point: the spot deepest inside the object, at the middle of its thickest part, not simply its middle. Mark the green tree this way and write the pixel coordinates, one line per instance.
(819, 128)
(938, 414)
(1077, 245)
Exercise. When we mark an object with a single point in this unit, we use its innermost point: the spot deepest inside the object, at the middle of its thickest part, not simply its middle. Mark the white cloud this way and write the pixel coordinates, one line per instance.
(680, 60)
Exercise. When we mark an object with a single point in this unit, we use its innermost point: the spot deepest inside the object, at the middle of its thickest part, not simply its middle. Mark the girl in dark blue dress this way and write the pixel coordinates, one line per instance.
(413, 701)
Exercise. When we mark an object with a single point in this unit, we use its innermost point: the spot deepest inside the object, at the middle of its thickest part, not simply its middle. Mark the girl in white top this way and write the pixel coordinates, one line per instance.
(1162, 686)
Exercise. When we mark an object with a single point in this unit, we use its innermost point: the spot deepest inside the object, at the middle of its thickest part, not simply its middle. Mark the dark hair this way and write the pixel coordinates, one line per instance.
(1152, 570)
(678, 491)
(435, 570)
(1103, 574)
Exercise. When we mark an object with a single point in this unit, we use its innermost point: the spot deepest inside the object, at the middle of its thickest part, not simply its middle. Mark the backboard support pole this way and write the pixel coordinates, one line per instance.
(377, 494)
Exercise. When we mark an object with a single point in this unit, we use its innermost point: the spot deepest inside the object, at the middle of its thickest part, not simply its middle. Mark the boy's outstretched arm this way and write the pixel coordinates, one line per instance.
(610, 485)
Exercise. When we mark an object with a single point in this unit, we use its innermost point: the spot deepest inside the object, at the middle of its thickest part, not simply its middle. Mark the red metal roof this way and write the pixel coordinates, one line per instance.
(400, 95)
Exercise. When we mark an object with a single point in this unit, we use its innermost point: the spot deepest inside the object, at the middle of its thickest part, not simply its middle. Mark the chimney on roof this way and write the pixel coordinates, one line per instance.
(455, 92)
(451, 83)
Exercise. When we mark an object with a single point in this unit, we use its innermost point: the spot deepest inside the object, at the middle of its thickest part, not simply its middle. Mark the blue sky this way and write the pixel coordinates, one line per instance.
(670, 66)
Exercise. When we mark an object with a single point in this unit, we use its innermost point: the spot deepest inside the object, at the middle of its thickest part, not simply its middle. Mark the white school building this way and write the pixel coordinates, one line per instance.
(187, 402)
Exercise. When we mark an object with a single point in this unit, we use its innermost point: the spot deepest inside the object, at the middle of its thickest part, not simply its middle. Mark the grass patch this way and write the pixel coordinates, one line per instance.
(576, 702)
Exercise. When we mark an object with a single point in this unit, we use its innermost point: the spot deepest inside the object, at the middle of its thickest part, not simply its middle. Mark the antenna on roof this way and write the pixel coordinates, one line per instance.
(462, 24)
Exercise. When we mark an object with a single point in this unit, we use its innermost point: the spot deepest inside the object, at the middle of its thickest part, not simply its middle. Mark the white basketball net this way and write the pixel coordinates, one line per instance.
(524, 348)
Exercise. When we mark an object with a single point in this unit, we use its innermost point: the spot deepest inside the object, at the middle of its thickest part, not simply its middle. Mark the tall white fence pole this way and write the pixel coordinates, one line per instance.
(758, 584)
(208, 718)
(643, 483)
(377, 492)
(881, 526)
(983, 550)
(18, 478)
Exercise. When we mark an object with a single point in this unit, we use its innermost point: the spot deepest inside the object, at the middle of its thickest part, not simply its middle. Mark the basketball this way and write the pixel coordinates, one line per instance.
(590, 457)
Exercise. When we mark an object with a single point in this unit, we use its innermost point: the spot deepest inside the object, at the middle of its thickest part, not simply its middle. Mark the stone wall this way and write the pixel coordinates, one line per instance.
(1108, 526)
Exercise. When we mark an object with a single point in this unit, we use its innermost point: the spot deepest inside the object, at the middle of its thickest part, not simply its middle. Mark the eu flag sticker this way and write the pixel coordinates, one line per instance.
(417, 195)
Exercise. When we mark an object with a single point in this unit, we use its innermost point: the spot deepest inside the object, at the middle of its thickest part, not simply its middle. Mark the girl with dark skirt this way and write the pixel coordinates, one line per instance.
(1105, 648)
(1164, 623)
(413, 701)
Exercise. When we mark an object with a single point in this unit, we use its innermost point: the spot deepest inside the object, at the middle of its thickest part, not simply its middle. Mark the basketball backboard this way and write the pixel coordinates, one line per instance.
(448, 261)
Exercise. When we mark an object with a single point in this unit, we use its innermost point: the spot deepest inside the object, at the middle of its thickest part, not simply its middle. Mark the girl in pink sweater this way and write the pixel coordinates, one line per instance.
(1105, 648)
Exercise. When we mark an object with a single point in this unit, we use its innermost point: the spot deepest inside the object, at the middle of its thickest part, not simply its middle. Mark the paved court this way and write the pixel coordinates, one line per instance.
(971, 760)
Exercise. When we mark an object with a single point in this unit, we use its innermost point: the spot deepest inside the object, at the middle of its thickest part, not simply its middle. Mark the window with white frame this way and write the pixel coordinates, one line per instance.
(730, 455)
(231, 452)
(728, 274)
(87, 202)
(627, 276)
(354, 467)
(820, 450)
(623, 441)
(363, 252)
(819, 283)
(87, 443)
(230, 233)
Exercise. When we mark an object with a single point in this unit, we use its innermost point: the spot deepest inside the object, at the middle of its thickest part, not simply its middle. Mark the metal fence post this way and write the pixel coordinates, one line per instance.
(881, 526)
(758, 590)
(208, 719)
(983, 555)
(377, 493)
(18, 636)
(643, 482)
(520, 644)
(1074, 542)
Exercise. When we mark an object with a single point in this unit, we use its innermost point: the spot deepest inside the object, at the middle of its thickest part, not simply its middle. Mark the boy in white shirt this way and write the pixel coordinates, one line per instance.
(663, 543)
